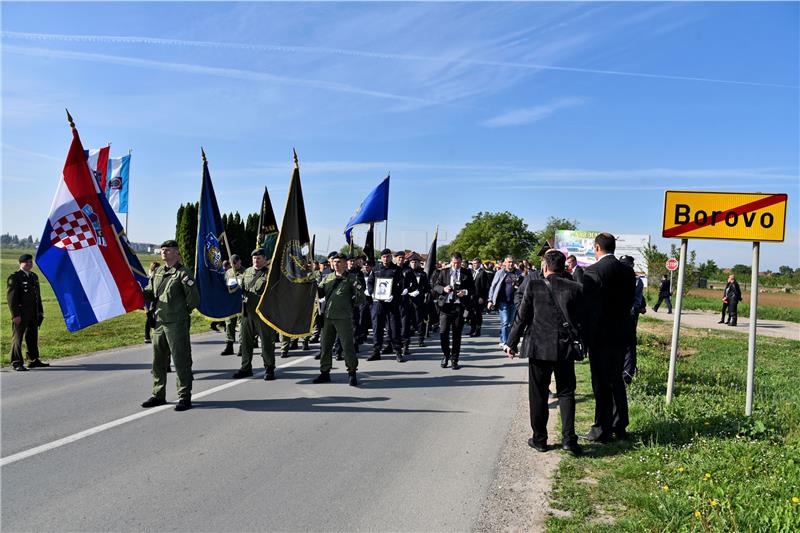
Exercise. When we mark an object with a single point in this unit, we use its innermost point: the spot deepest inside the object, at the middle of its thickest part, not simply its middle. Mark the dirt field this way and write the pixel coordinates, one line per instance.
(772, 299)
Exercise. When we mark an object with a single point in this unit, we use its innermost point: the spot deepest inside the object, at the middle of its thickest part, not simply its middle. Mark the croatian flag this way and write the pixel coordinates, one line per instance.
(83, 251)
(117, 185)
(98, 164)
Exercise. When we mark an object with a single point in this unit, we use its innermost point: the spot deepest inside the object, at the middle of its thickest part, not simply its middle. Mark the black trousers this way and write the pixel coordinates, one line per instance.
(661, 298)
(451, 317)
(539, 373)
(733, 311)
(27, 329)
(476, 317)
(364, 321)
(724, 310)
(382, 313)
(629, 364)
(408, 319)
(610, 397)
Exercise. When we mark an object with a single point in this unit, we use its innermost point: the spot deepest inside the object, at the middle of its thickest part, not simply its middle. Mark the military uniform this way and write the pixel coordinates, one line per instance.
(230, 324)
(253, 283)
(383, 310)
(341, 294)
(174, 295)
(25, 302)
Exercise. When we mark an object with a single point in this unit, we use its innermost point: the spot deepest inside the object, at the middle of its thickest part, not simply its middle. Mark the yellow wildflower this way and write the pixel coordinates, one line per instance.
(795, 500)
(713, 503)
(681, 469)
(707, 476)
(697, 514)
(665, 488)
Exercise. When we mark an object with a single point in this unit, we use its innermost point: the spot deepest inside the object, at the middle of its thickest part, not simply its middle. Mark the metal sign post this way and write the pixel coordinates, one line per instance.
(676, 325)
(755, 217)
(751, 341)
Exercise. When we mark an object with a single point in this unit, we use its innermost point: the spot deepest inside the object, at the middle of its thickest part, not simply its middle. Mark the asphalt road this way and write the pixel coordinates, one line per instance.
(693, 318)
(413, 448)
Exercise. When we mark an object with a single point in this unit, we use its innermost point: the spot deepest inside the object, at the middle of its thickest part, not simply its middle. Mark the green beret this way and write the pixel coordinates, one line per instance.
(171, 243)
(258, 251)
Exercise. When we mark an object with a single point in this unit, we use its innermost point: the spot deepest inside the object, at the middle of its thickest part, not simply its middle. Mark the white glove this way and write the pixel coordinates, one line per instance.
(366, 293)
(321, 300)
(414, 294)
(390, 298)
(405, 291)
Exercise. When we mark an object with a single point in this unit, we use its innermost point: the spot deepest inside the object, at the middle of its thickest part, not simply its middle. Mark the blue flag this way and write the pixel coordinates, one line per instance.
(374, 208)
(215, 299)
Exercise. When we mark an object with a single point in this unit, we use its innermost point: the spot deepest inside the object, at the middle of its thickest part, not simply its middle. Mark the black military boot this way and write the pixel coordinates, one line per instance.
(284, 354)
(305, 344)
(456, 366)
(324, 377)
(293, 345)
(406, 351)
(228, 349)
(352, 378)
(387, 350)
(376, 355)
(184, 404)
(242, 373)
(269, 375)
(445, 361)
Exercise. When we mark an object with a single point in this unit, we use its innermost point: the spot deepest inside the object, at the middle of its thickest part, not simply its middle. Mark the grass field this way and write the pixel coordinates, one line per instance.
(54, 339)
(698, 464)
(771, 306)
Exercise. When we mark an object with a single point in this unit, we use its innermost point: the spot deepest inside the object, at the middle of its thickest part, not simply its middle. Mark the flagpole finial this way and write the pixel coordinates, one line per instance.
(203, 154)
(296, 162)
(69, 119)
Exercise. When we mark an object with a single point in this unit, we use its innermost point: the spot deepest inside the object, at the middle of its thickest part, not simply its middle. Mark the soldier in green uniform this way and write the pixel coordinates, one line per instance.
(339, 291)
(253, 282)
(233, 279)
(173, 294)
(27, 313)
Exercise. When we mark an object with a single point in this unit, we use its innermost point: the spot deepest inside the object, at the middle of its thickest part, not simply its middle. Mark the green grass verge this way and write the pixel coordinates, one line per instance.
(711, 304)
(698, 464)
(54, 339)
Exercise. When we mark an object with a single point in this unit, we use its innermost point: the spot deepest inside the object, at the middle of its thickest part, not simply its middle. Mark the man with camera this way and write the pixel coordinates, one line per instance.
(549, 317)
(454, 289)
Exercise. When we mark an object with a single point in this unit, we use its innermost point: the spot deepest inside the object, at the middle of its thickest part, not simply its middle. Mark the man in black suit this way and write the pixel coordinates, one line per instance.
(548, 317)
(482, 281)
(608, 287)
(454, 288)
(574, 269)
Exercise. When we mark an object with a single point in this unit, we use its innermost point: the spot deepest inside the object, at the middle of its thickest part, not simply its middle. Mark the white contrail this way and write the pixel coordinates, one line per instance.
(212, 71)
(113, 39)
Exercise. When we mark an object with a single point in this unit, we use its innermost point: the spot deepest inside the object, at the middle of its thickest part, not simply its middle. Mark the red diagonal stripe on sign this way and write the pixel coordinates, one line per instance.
(746, 208)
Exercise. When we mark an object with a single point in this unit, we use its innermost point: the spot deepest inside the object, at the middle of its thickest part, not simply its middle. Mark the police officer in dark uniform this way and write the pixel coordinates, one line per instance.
(407, 314)
(419, 298)
(385, 304)
(365, 309)
(27, 314)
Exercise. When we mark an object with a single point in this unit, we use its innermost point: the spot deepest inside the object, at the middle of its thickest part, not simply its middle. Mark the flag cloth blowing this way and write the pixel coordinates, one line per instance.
(117, 183)
(267, 226)
(81, 252)
(374, 208)
(287, 304)
(97, 159)
(430, 262)
(215, 299)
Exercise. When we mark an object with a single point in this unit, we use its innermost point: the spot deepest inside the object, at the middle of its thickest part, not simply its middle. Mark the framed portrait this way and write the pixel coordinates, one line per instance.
(383, 289)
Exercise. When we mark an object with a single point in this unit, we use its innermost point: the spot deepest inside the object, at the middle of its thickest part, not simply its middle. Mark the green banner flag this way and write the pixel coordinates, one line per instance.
(287, 304)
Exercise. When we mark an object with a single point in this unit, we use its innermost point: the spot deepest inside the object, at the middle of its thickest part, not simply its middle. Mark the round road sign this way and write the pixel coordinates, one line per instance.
(672, 264)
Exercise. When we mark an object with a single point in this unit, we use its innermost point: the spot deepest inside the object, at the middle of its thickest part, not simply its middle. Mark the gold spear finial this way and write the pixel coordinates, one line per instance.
(296, 162)
(203, 153)
(69, 119)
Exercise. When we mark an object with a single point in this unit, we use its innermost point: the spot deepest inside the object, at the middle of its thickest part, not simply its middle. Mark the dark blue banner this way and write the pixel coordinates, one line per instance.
(374, 208)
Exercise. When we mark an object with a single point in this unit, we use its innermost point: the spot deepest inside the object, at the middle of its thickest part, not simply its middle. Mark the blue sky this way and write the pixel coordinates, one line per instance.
(581, 110)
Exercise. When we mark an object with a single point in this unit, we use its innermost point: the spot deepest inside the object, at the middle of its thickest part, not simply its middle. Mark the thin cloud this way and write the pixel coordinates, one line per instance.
(529, 115)
(111, 39)
(30, 153)
(231, 73)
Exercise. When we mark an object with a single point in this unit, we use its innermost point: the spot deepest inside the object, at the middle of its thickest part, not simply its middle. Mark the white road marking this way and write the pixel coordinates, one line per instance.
(124, 420)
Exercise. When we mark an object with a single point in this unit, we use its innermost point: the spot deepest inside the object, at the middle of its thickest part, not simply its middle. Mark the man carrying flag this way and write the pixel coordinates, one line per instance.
(173, 294)
(287, 303)
(83, 251)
